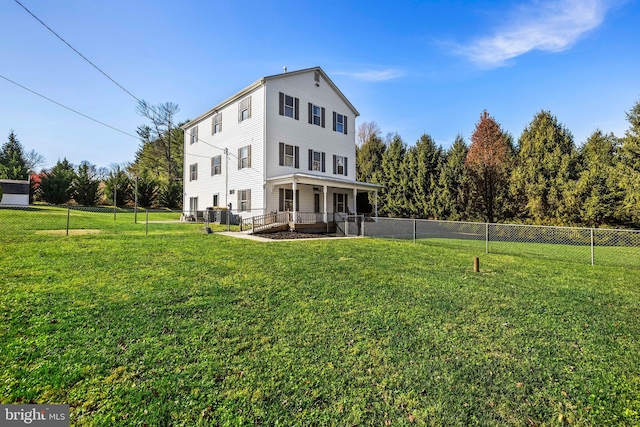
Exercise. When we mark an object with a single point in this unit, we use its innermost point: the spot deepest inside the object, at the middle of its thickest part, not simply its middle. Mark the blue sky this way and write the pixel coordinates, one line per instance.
(411, 66)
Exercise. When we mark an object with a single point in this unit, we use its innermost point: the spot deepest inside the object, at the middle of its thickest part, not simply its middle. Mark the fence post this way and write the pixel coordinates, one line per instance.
(592, 258)
(414, 230)
(68, 215)
(486, 239)
(146, 228)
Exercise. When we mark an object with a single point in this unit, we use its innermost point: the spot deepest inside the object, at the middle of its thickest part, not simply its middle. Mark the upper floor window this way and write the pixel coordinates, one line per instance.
(316, 161)
(339, 123)
(194, 134)
(216, 165)
(289, 106)
(316, 115)
(339, 165)
(193, 172)
(244, 157)
(244, 109)
(216, 123)
(289, 155)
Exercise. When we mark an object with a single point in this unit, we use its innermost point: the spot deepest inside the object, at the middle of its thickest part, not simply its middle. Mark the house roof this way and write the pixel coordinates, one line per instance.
(247, 90)
(303, 178)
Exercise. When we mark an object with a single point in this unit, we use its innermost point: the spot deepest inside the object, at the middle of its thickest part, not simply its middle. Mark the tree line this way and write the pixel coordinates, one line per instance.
(153, 179)
(542, 178)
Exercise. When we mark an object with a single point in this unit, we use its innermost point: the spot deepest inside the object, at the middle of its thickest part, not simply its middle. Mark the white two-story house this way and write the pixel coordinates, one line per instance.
(284, 143)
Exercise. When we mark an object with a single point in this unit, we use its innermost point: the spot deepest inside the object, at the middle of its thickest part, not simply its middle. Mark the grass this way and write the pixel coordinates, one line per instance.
(183, 328)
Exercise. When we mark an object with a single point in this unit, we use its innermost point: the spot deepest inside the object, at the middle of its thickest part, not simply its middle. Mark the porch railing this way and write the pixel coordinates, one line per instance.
(263, 222)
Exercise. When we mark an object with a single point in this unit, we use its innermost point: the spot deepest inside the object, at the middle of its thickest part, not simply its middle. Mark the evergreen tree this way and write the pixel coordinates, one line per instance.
(148, 190)
(452, 201)
(487, 164)
(171, 195)
(56, 184)
(423, 161)
(393, 197)
(545, 168)
(369, 155)
(118, 181)
(629, 166)
(86, 185)
(12, 159)
(596, 197)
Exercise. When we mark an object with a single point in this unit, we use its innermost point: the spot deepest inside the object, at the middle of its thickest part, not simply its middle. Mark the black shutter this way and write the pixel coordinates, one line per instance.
(310, 159)
(281, 157)
(310, 113)
(345, 166)
(334, 120)
(344, 118)
(296, 106)
(322, 116)
(296, 153)
(323, 169)
(335, 161)
(281, 105)
(298, 200)
(335, 202)
(281, 200)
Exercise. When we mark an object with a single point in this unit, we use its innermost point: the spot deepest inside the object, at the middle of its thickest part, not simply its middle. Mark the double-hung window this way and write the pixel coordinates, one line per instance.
(289, 155)
(216, 124)
(193, 172)
(194, 134)
(316, 161)
(316, 115)
(244, 200)
(244, 109)
(244, 157)
(216, 165)
(339, 165)
(289, 106)
(339, 123)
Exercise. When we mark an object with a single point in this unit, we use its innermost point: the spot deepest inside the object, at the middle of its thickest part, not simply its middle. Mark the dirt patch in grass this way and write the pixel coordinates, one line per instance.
(281, 235)
(71, 232)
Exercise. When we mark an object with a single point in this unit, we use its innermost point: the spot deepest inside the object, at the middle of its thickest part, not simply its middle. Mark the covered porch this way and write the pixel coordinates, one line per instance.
(311, 203)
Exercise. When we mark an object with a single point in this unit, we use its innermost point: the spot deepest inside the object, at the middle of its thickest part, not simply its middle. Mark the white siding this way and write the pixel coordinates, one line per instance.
(302, 134)
(233, 136)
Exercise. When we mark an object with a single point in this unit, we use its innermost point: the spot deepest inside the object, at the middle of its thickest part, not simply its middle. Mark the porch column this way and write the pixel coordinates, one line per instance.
(355, 201)
(324, 192)
(295, 214)
(376, 208)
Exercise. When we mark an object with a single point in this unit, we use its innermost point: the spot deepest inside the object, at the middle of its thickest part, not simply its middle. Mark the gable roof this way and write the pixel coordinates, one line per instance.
(261, 82)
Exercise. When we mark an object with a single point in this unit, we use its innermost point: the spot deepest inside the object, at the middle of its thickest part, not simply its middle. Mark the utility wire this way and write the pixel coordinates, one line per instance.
(68, 108)
(76, 51)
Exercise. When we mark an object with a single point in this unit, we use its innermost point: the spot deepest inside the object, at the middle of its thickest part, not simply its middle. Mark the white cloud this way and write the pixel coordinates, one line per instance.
(375, 75)
(551, 26)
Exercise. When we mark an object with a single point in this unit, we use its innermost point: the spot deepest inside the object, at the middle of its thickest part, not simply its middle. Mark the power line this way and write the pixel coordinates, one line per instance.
(76, 51)
(68, 108)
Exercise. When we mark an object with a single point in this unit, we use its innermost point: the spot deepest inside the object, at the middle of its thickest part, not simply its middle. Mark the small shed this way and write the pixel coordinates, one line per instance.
(15, 192)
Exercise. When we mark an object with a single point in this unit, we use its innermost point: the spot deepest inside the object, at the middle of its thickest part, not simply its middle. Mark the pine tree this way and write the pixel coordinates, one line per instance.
(85, 185)
(452, 201)
(596, 197)
(545, 168)
(12, 159)
(118, 181)
(423, 171)
(56, 184)
(394, 200)
(148, 190)
(629, 166)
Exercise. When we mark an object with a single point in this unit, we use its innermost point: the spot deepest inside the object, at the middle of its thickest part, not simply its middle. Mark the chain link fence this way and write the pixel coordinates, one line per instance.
(23, 222)
(583, 245)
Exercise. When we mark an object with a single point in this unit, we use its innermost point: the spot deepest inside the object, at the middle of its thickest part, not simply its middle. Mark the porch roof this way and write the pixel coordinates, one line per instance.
(303, 178)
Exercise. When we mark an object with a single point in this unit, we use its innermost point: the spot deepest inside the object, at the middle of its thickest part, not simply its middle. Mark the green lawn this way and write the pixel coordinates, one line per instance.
(184, 328)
